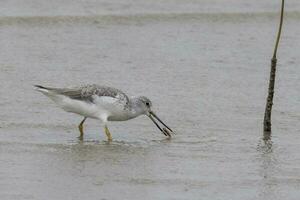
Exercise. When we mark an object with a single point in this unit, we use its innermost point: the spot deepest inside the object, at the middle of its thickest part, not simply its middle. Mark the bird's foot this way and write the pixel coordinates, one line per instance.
(108, 134)
(80, 137)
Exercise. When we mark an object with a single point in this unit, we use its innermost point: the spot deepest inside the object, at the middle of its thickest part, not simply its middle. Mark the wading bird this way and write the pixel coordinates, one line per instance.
(103, 103)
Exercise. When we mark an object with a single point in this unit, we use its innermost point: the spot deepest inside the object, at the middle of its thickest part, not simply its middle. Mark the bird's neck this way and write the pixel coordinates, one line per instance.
(135, 108)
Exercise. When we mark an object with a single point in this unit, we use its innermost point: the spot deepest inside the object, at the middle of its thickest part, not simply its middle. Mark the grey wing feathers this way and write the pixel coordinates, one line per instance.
(87, 92)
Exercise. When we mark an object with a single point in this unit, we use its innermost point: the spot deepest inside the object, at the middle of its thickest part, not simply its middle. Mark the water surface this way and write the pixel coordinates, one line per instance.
(204, 64)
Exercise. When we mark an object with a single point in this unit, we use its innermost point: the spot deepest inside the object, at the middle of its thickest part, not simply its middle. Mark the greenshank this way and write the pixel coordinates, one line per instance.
(103, 103)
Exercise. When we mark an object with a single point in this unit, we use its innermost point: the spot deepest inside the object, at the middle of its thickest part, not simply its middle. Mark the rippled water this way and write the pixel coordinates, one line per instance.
(204, 64)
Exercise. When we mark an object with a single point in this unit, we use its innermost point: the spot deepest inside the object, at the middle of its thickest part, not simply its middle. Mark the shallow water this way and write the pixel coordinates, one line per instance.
(204, 64)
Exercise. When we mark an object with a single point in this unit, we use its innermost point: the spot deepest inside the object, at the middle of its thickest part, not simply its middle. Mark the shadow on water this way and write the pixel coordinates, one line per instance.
(265, 145)
(114, 143)
(268, 169)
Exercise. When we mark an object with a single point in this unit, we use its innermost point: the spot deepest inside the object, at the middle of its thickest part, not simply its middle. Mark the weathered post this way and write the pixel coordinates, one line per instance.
(269, 103)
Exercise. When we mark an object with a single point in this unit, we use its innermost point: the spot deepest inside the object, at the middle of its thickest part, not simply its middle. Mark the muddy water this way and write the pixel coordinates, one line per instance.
(203, 64)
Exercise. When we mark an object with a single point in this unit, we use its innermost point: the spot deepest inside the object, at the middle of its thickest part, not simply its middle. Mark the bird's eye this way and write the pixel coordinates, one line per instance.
(147, 104)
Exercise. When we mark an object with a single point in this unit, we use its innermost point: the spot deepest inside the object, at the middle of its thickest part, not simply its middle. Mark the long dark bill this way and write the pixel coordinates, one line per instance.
(154, 115)
(164, 132)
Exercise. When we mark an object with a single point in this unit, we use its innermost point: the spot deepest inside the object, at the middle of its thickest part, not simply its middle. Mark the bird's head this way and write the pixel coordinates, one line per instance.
(146, 106)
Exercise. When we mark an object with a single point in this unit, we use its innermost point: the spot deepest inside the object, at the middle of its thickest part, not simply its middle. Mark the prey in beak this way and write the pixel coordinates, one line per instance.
(165, 130)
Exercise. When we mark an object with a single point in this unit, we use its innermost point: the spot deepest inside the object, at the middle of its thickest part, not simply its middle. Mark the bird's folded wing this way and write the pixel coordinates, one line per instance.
(88, 93)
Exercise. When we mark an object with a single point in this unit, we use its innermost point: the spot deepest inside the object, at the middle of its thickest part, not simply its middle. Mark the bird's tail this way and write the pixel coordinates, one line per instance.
(50, 92)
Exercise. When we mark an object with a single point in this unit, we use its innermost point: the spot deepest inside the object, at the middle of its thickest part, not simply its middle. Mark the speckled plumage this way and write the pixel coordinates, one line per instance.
(94, 101)
(101, 102)
(88, 92)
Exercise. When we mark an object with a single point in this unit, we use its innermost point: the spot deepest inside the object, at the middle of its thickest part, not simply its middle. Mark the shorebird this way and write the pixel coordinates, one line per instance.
(103, 103)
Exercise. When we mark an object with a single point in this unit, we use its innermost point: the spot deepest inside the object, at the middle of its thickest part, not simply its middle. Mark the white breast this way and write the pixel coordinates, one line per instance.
(80, 107)
(114, 109)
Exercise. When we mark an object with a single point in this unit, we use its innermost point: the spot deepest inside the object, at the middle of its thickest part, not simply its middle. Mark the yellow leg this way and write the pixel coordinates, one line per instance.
(109, 138)
(81, 128)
